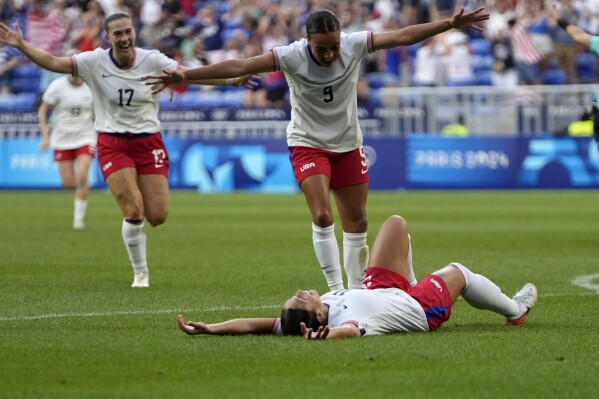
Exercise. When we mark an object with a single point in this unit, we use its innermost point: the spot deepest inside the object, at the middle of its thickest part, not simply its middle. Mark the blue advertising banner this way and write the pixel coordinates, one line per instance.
(415, 162)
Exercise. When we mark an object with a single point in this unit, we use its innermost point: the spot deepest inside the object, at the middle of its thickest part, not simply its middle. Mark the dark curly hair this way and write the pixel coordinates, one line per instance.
(322, 21)
(291, 319)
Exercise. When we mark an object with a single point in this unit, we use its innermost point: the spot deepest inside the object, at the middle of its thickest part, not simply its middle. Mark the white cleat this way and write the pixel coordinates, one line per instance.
(141, 280)
(78, 224)
(526, 299)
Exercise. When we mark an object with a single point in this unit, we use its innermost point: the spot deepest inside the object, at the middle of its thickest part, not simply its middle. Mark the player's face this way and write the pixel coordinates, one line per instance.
(305, 300)
(325, 47)
(121, 36)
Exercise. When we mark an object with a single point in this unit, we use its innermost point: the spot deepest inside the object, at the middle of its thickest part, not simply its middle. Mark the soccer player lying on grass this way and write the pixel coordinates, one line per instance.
(390, 300)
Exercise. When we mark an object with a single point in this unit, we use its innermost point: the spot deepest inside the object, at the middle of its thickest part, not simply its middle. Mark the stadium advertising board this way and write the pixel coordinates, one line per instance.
(419, 161)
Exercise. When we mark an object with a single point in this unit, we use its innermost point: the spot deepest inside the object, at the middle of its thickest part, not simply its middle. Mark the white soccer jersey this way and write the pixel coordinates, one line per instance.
(324, 99)
(375, 312)
(123, 103)
(72, 114)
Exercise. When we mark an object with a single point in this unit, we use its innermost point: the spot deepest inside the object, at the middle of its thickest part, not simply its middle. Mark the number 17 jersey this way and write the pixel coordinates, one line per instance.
(122, 101)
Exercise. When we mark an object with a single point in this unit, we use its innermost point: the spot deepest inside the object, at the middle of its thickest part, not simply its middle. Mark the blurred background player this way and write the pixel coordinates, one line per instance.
(73, 137)
(324, 135)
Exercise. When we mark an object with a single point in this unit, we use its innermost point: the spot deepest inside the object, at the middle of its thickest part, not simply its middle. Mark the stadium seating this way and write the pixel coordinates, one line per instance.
(25, 78)
(377, 80)
(480, 47)
(553, 77)
(586, 67)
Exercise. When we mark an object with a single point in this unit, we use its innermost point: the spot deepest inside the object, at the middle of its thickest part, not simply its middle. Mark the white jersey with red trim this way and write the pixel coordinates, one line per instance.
(123, 103)
(324, 111)
(72, 114)
(375, 312)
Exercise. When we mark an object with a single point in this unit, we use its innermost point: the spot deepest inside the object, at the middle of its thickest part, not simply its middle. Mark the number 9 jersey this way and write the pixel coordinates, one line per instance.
(122, 101)
(324, 112)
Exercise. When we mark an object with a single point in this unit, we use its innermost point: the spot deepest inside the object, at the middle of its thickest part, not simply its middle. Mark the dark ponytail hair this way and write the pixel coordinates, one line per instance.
(115, 16)
(291, 319)
(322, 21)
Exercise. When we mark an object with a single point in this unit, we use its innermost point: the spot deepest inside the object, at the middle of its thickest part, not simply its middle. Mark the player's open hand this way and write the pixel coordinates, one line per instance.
(191, 327)
(469, 20)
(9, 36)
(170, 77)
(249, 81)
(321, 333)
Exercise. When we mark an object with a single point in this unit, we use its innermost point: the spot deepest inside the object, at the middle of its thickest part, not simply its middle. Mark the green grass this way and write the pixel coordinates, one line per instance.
(71, 327)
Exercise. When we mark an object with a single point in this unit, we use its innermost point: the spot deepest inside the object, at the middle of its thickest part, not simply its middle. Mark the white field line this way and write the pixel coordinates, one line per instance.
(580, 281)
(132, 313)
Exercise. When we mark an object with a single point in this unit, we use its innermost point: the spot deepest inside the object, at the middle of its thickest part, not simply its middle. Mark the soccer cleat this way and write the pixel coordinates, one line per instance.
(78, 224)
(526, 299)
(141, 280)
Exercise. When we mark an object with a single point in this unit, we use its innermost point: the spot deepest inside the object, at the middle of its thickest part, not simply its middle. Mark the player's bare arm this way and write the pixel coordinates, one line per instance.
(230, 327)
(240, 69)
(40, 57)
(417, 33)
(326, 332)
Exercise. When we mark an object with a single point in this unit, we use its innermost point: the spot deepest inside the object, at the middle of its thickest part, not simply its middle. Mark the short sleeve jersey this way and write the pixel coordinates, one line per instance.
(123, 103)
(375, 312)
(324, 112)
(72, 114)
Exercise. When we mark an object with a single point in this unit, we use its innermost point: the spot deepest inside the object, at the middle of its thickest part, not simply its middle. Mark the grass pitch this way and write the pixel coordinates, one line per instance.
(71, 326)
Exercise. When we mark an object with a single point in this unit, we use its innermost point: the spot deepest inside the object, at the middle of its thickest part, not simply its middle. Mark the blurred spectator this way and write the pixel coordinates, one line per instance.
(504, 71)
(86, 32)
(564, 47)
(528, 57)
(539, 29)
(46, 30)
(207, 26)
(456, 58)
(584, 127)
(590, 16)
(456, 129)
(426, 64)
(7, 62)
(151, 27)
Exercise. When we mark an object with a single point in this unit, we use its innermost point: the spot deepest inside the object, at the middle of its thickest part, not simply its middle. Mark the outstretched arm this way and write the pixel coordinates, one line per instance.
(40, 57)
(230, 327)
(417, 33)
(240, 69)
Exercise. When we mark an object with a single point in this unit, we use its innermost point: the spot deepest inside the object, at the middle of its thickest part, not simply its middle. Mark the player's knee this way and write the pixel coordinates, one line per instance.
(323, 218)
(157, 218)
(397, 222)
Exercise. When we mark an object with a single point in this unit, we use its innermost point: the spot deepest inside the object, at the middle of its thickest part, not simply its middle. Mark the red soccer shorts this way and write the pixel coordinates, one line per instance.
(69, 155)
(144, 152)
(342, 168)
(431, 292)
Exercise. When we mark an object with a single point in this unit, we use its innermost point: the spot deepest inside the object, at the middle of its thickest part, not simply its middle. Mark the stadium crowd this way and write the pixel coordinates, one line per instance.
(521, 44)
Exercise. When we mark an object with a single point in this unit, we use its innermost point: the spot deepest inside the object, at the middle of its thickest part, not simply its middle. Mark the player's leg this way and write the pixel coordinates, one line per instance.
(156, 199)
(391, 247)
(316, 192)
(123, 185)
(67, 173)
(83, 162)
(349, 181)
(482, 293)
(351, 204)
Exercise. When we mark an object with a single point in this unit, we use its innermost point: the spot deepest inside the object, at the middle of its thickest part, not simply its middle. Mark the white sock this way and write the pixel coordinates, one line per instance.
(80, 209)
(134, 237)
(327, 252)
(355, 258)
(411, 276)
(482, 293)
